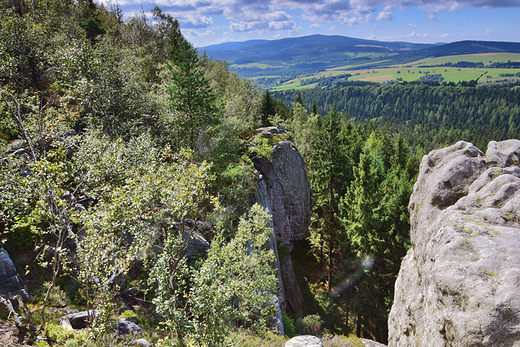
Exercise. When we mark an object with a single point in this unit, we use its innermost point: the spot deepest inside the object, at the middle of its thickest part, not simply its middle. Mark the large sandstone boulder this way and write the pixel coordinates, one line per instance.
(262, 197)
(304, 341)
(289, 192)
(459, 283)
(285, 190)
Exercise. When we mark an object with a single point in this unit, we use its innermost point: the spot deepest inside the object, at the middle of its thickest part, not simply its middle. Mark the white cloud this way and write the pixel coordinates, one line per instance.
(192, 22)
(413, 26)
(488, 31)
(386, 14)
(248, 26)
(358, 20)
(273, 15)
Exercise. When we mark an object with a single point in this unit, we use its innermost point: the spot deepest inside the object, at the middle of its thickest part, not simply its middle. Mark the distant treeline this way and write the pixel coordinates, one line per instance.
(428, 116)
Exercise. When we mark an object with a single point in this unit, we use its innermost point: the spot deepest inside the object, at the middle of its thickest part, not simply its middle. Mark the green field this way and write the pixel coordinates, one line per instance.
(485, 58)
(255, 66)
(450, 74)
(415, 70)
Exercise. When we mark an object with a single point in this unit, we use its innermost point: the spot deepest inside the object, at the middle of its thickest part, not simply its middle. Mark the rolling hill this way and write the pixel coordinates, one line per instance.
(306, 48)
(273, 62)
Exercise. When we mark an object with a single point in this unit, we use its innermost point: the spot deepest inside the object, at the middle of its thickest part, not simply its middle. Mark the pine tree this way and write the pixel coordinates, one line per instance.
(299, 99)
(328, 166)
(192, 100)
(268, 109)
(375, 217)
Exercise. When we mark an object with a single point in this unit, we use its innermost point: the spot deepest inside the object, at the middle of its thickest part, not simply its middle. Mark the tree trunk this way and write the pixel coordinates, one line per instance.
(358, 328)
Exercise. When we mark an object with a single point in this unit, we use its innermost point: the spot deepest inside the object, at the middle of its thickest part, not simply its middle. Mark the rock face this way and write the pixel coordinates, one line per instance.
(285, 190)
(459, 283)
(293, 294)
(261, 197)
(10, 281)
(289, 192)
(196, 244)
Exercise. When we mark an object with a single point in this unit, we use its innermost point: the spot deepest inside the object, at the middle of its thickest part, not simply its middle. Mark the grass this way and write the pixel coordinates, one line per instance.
(485, 58)
(410, 74)
(413, 71)
(244, 339)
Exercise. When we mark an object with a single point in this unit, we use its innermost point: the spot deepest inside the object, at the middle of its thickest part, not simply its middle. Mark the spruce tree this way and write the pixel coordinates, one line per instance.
(192, 100)
(267, 109)
(328, 166)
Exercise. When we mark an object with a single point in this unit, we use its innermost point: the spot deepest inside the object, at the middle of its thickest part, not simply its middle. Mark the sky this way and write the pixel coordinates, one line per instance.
(209, 22)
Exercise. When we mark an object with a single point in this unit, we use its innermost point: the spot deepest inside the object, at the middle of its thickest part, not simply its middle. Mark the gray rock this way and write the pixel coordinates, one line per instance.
(197, 244)
(458, 284)
(267, 134)
(79, 320)
(276, 321)
(371, 343)
(262, 198)
(10, 281)
(285, 190)
(289, 192)
(271, 130)
(304, 341)
(124, 327)
(293, 294)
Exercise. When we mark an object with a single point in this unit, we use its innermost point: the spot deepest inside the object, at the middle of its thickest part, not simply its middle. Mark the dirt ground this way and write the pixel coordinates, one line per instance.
(9, 335)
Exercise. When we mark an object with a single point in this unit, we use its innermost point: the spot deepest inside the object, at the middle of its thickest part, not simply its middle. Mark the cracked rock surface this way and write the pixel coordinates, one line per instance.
(459, 284)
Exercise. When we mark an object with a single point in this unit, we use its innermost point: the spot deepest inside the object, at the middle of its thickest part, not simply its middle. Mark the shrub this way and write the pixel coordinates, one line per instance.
(311, 324)
(129, 314)
(288, 325)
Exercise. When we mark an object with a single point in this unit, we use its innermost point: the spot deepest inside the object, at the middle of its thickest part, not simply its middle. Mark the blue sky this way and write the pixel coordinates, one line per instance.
(207, 22)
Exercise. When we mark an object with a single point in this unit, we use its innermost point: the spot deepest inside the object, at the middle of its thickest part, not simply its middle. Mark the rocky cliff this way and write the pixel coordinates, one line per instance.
(289, 192)
(459, 283)
(286, 192)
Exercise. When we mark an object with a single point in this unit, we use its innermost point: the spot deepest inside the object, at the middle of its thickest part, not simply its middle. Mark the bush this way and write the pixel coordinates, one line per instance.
(57, 297)
(311, 324)
(288, 325)
(129, 315)
(63, 337)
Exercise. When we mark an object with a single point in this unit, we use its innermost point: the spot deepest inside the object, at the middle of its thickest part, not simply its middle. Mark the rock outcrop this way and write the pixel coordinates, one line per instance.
(459, 283)
(285, 190)
(289, 192)
(10, 281)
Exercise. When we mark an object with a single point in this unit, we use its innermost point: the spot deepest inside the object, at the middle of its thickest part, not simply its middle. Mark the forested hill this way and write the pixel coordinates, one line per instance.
(471, 47)
(313, 47)
(308, 54)
(430, 116)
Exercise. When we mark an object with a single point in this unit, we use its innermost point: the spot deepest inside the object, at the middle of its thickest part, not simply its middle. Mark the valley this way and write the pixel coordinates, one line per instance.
(319, 61)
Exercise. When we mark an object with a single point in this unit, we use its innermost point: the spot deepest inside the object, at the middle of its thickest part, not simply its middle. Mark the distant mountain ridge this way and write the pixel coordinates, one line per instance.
(301, 47)
(472, 47)
(291, 57)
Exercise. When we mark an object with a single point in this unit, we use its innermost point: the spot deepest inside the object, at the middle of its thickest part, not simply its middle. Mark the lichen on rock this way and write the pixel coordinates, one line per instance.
(458, 284)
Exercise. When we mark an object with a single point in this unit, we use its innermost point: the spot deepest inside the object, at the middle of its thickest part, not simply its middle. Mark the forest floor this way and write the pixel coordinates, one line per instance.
(9, 335)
